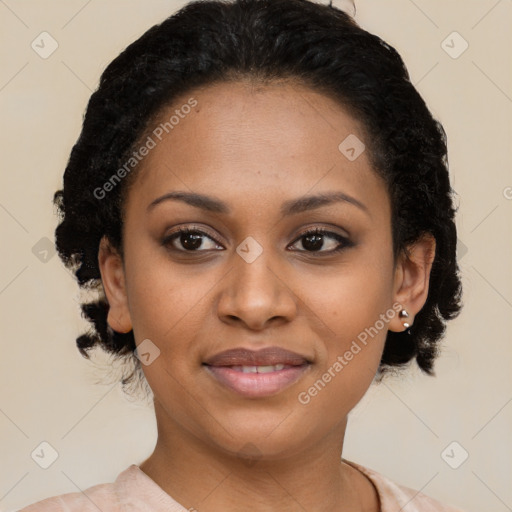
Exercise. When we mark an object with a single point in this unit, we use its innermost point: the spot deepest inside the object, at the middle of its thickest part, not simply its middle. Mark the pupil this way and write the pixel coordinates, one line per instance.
(196, 241)
(316, 242)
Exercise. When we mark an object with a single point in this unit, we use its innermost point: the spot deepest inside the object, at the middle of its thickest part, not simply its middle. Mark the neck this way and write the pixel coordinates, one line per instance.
(204, 477)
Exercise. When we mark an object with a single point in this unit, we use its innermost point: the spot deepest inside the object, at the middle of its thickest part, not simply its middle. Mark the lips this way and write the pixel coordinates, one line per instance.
(269, 356)
(257, 374)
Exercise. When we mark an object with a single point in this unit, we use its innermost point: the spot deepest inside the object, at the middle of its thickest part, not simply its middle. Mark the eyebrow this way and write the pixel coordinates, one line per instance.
(290, 207)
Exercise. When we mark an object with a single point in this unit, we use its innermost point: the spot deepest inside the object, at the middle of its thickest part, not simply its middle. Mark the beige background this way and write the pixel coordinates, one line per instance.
(403, 425)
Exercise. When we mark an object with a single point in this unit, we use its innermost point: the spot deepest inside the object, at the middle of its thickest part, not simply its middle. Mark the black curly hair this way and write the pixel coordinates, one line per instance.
(317, 45)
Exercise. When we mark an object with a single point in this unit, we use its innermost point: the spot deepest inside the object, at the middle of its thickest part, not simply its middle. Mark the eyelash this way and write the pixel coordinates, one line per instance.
(344, 242)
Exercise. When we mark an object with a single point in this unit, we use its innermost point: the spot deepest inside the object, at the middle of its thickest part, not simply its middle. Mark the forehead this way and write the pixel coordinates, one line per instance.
(257, 142)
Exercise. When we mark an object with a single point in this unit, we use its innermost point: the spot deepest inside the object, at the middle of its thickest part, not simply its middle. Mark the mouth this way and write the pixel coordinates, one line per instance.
(256, 374)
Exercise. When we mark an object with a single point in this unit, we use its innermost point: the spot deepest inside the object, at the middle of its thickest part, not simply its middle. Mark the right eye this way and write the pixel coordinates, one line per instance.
(190, 239)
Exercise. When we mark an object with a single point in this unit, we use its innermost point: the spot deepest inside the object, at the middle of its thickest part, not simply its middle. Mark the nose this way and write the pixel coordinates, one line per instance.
(256, 294)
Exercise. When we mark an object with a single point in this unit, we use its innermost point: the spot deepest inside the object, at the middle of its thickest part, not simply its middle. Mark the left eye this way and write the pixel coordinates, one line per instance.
(313, 241)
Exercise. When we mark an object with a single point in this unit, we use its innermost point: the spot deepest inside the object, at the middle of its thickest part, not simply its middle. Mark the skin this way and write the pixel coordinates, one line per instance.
(254, 148)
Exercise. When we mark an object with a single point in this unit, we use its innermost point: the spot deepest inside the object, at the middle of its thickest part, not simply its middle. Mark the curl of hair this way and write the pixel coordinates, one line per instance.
(212, 41)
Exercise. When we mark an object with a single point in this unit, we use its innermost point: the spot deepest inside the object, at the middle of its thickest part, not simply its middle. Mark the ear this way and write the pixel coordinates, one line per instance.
(113, 279)
(412, 278)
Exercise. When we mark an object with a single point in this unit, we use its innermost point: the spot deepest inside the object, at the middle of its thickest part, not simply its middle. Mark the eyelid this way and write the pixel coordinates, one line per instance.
(192, 227)
(323, 229)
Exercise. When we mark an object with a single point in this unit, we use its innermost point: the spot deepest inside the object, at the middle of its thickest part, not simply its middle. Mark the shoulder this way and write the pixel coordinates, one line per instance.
(132, 491)
(101, 496)
(105, 497)
(98, 496)
(392, 495)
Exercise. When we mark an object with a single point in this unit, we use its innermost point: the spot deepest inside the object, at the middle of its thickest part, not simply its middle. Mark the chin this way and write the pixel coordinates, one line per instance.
(269, 438)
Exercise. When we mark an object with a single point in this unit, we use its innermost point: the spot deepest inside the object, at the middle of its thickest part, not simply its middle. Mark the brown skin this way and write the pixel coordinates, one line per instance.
(254, 148)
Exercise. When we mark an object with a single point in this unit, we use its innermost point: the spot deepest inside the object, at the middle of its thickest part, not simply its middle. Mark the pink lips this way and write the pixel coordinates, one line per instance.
(257, 374)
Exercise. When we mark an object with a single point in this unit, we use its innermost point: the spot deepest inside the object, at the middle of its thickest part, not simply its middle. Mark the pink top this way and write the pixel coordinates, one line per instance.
(133, 490)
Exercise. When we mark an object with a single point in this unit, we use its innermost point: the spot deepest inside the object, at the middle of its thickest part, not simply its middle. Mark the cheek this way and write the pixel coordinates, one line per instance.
(168, 312)
(352, 309)
(348, 359)
(348, 298)
(159, 295)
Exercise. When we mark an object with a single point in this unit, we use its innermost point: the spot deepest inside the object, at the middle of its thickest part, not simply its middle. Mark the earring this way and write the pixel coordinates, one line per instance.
(404, 314)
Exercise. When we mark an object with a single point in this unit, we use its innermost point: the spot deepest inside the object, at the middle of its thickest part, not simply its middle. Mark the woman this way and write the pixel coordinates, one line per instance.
(262, 199)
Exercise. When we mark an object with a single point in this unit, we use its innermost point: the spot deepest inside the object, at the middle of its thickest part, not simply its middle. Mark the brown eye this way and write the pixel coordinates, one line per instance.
(191, 240)
(315, 241)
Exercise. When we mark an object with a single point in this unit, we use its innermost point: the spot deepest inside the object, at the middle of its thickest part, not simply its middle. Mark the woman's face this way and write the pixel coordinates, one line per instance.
(252, 163)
